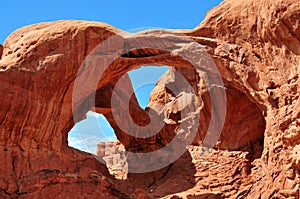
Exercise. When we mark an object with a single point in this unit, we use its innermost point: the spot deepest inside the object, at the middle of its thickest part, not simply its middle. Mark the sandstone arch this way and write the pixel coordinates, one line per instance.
(257, 56)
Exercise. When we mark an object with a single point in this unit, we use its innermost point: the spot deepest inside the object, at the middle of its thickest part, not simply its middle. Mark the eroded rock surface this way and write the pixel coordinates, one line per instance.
(255, 47)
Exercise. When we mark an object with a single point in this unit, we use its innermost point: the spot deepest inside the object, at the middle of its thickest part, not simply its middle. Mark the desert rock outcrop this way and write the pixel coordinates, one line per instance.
(255, 47)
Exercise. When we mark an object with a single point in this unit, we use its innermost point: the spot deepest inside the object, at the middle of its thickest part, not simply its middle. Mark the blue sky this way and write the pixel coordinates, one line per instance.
(126, 15)
(143, 81)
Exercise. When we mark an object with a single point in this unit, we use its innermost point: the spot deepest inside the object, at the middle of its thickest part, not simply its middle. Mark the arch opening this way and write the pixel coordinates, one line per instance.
(241, 111)
(86, 134)
(95, 131)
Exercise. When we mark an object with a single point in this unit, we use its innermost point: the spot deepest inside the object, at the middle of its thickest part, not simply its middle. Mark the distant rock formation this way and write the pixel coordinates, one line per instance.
(255, 46)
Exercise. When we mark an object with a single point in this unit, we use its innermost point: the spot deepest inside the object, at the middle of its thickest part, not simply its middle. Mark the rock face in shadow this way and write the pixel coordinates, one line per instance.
(255, 48)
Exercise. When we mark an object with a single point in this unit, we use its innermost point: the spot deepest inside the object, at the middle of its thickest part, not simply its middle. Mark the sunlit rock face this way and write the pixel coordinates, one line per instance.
(240, 111)
(255, 47)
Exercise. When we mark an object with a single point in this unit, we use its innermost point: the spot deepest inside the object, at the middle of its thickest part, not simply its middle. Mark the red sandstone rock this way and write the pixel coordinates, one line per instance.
(255, 46)
(141, 194)
(1, 50)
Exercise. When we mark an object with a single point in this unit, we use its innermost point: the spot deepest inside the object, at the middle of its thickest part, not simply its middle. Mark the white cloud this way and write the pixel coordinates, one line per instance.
(92, 114)
(86, 134)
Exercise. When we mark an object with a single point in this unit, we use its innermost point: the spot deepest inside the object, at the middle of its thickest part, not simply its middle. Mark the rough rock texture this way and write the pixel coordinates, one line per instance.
(240, 111)
(254, 44)
(112, 154)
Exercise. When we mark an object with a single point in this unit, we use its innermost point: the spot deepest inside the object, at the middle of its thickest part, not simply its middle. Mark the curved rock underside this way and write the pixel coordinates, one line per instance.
(255, 45)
